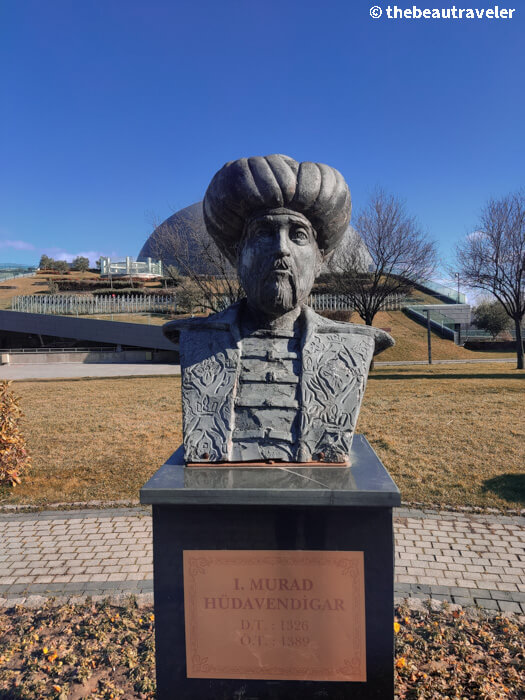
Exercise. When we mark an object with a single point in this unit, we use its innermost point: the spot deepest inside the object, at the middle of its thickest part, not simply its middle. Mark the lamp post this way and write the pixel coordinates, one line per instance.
(456, 275)
(429, 338)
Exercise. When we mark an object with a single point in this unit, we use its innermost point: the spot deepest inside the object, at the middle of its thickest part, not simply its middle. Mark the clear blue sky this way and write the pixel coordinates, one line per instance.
(115, 112)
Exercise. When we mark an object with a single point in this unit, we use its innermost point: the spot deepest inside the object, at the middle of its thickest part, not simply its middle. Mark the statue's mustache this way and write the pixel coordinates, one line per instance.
(280, 265)
(281, 275)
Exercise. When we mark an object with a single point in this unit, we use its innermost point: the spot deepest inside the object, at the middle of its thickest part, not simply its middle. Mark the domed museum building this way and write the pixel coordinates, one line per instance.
(182, 240)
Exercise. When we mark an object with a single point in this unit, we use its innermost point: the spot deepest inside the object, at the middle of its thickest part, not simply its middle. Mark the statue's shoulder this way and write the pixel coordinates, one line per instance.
(321, 324)
(223, 320)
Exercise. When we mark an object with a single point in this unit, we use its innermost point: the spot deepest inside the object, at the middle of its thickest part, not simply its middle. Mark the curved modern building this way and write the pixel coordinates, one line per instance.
(183, 237)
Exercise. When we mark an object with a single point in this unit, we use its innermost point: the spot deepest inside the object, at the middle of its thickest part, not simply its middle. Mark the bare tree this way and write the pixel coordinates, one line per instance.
(204, 277)
(400, 254)
(493, 258)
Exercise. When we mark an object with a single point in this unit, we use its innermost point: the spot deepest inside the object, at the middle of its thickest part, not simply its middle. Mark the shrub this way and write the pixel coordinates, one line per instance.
(89, 285)
(491, 317)
(52, 286)
(13, 453)
(133, 291)
(80, 263)
(337, 314)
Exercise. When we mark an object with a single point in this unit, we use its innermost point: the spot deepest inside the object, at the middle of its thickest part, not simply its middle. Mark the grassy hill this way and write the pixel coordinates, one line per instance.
(411, 341)
(33, 285)
(410, 337)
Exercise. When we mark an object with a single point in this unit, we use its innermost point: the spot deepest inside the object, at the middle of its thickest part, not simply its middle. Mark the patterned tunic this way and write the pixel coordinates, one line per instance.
(266, 412)
(272, 395)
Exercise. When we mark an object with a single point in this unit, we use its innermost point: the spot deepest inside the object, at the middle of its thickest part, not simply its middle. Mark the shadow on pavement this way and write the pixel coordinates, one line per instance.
(405, 375)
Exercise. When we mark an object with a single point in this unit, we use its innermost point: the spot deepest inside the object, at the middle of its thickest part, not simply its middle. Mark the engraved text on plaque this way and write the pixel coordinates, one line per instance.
(275, 615)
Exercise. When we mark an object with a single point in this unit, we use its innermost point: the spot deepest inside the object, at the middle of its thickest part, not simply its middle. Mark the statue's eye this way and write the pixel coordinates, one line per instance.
(299, 235)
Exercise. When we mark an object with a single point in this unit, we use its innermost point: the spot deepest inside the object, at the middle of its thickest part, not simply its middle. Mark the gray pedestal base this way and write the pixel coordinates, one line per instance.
(273, 509)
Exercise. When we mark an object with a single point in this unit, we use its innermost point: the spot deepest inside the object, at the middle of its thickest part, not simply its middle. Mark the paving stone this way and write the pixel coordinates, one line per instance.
(456, 567)
(450, 556)
(486, 593)
(35, 601)
(466, 583)
(509, 606)
(506, 595)
(462, 600)
(115, 577)
(487, 603)
(17, 600)
(442, 590)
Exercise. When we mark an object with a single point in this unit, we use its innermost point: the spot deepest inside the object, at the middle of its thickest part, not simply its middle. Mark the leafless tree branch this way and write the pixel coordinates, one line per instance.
(492, 258)
(205, 278)
(400, 254)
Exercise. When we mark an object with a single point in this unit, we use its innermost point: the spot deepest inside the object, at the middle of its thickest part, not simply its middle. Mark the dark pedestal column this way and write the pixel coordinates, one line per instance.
(272, 509)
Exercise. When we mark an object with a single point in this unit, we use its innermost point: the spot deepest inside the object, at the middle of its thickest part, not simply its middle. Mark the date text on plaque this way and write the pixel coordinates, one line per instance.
(275, 615)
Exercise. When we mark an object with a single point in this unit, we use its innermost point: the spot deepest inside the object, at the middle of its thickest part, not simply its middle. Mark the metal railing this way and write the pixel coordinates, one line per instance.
(40, 351)
(4, 276)
(452, 294)
(49, 351)
(87, 305)
(435, 315)
(337, 302)
(438, 322)
(485, 335)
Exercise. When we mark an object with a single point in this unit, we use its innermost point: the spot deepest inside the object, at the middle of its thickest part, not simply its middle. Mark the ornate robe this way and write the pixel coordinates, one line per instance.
(223, 377)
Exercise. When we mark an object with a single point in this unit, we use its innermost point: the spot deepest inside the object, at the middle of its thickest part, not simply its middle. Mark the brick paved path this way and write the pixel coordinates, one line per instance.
(466, 559)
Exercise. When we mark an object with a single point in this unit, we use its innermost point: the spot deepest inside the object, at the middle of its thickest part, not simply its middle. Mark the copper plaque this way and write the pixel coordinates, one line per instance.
(275, 615)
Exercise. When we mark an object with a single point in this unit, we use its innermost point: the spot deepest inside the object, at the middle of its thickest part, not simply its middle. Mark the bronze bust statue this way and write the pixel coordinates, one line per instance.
(268, 379)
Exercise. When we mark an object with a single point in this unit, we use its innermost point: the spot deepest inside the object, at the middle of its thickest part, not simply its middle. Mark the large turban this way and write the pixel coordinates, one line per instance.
(248, 187)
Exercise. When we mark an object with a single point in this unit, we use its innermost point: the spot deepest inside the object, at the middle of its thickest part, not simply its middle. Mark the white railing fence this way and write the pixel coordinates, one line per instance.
(5, 276)
(337, 302)
(84, 305)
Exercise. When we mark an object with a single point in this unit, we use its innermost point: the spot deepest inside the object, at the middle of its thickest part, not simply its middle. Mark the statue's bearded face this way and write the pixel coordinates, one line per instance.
(278, 262)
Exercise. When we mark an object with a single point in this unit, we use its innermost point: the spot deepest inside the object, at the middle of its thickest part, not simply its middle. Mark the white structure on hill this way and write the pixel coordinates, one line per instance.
(130, 268)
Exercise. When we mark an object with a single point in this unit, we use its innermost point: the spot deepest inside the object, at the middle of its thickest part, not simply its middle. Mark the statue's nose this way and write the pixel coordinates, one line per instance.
(283, 241)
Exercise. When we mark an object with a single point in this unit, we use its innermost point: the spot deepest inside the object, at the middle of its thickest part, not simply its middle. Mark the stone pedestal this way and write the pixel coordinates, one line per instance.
(321, 537)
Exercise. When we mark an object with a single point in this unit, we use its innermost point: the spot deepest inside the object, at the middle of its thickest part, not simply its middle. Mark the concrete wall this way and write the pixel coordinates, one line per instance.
(134, 334)
(460, 313)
